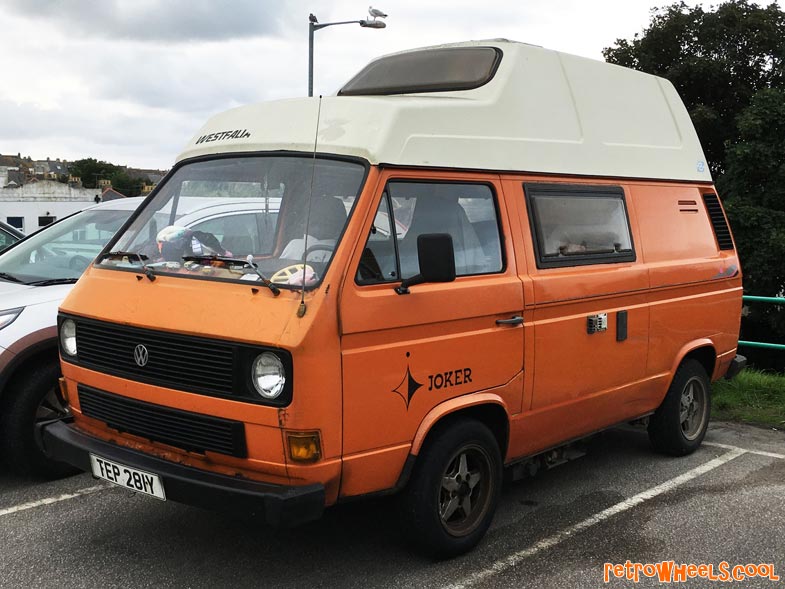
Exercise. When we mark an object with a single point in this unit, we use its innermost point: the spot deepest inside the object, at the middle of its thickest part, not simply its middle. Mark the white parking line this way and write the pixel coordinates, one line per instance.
(50, 500)
(758, 452)
(503, 564)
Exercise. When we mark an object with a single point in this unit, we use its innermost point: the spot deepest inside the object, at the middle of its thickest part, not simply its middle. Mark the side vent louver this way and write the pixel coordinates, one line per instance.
(718, 222)
(688, 206)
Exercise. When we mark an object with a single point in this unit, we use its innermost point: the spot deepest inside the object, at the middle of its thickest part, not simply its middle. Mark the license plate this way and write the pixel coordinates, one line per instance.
(133, 479)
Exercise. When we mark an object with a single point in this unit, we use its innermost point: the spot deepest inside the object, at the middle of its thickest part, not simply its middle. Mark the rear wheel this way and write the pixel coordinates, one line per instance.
(31, 397)
(680, 423)
(452, 495)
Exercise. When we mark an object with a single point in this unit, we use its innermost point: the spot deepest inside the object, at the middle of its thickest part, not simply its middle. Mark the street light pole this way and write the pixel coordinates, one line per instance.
(311, 29)
(314, 25)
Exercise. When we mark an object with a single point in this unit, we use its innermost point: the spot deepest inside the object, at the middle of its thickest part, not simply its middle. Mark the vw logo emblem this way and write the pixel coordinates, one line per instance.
(141, 355)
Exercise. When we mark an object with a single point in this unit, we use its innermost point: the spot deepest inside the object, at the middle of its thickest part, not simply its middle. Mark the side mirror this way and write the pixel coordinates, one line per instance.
(436, 255)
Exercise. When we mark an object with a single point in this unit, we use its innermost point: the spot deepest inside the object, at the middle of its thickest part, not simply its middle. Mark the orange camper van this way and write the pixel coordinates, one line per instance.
(471, 255)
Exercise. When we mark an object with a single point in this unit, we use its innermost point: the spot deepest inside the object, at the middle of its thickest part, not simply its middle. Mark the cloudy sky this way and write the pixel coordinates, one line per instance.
(130, 81)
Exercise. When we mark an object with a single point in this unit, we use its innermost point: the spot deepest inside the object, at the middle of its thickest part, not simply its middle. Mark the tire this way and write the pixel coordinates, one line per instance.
(30, 397)
(466, 453)
(678, 426)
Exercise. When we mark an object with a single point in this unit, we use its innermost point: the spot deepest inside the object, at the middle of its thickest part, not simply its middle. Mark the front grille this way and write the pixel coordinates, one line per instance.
(177, 361)
(195, 364)
(190, 431)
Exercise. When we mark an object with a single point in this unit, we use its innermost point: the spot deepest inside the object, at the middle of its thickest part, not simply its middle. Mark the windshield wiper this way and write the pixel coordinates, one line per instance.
(53, 281)
(11, 278)
(247, 262)
(141, 257)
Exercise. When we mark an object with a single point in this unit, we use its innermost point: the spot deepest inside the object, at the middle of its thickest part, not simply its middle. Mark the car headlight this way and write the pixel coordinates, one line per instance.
(68, 337)
(268, 375)
(7, 317)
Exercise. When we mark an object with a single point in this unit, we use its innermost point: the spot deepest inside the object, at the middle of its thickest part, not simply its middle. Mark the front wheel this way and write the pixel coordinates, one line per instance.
(450, 500)
(680, 423)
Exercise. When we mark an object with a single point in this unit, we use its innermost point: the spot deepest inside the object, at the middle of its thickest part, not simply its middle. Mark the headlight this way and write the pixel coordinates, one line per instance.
(7, 317)
(68, 337)
(268, 375)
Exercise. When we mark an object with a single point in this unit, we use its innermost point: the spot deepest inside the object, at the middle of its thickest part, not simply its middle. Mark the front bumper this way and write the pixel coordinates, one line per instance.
(278, 505)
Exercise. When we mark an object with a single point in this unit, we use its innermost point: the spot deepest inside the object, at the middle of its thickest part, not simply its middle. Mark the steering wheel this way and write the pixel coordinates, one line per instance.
(78, 263)
(39, 254)
(284, 274)
(319, 247)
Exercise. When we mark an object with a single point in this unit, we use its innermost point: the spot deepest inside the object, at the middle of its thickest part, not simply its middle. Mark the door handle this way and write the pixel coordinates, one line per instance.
(517, 320)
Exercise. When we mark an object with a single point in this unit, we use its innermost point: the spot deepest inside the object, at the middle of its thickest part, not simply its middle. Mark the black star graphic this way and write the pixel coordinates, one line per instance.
(411, 387)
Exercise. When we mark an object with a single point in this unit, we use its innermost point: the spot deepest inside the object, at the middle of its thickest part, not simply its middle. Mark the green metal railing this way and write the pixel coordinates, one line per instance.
(772, 300)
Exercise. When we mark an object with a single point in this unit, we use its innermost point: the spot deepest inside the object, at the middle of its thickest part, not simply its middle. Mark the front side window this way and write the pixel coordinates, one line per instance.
(233, 218)
(577, 225)
(409, 209)
(61, 251)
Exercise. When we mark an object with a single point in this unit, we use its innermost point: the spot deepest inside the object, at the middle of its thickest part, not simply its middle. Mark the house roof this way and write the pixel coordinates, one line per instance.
(110, 193)
(10, 161)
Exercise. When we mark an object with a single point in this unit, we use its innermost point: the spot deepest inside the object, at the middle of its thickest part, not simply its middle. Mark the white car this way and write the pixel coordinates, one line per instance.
(37, 273)
(9, 235)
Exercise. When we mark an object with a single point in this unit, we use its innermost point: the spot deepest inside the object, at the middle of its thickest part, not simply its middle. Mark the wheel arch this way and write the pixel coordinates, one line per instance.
(487, 408)
(30, 356)
(703, 351)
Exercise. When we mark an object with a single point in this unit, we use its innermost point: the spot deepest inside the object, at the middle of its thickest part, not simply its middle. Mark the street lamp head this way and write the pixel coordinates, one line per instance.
(314, 25)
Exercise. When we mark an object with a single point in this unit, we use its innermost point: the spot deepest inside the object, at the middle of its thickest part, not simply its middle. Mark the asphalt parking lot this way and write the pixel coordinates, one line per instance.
(620, 502)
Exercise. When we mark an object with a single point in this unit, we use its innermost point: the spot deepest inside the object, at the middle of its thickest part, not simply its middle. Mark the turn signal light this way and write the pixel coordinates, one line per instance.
(304, 446)
(63, 388)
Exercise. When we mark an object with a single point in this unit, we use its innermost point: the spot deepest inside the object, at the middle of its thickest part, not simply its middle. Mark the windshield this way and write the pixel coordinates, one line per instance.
(63, 250)
(243, 218)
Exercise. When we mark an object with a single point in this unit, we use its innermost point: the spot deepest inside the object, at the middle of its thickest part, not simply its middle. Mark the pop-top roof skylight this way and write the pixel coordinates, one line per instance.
(429, 70)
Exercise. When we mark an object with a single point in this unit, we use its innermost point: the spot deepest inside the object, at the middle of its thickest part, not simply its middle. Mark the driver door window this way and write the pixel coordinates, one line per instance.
(466, 211)
(378, 262)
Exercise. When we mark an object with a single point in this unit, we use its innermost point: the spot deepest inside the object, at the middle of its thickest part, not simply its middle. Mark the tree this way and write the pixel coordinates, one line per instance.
(718, 60)
(91, 170)
(127, 184)
(756, 162)
(754, 189)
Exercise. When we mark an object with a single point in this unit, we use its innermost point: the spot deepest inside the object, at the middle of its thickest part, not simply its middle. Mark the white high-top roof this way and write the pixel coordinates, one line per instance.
(543, 111)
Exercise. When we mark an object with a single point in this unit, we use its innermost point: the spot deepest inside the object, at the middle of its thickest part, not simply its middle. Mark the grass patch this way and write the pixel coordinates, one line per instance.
(753, 396)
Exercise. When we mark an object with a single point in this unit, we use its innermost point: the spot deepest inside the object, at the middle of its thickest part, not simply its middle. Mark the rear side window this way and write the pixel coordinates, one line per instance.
(575, 225)
(429, 70)
(409, 209)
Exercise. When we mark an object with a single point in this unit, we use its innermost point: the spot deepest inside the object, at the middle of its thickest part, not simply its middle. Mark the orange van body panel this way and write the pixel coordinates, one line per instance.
(688, 291)
(373, 471)
(375, 371)
(398, 349)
